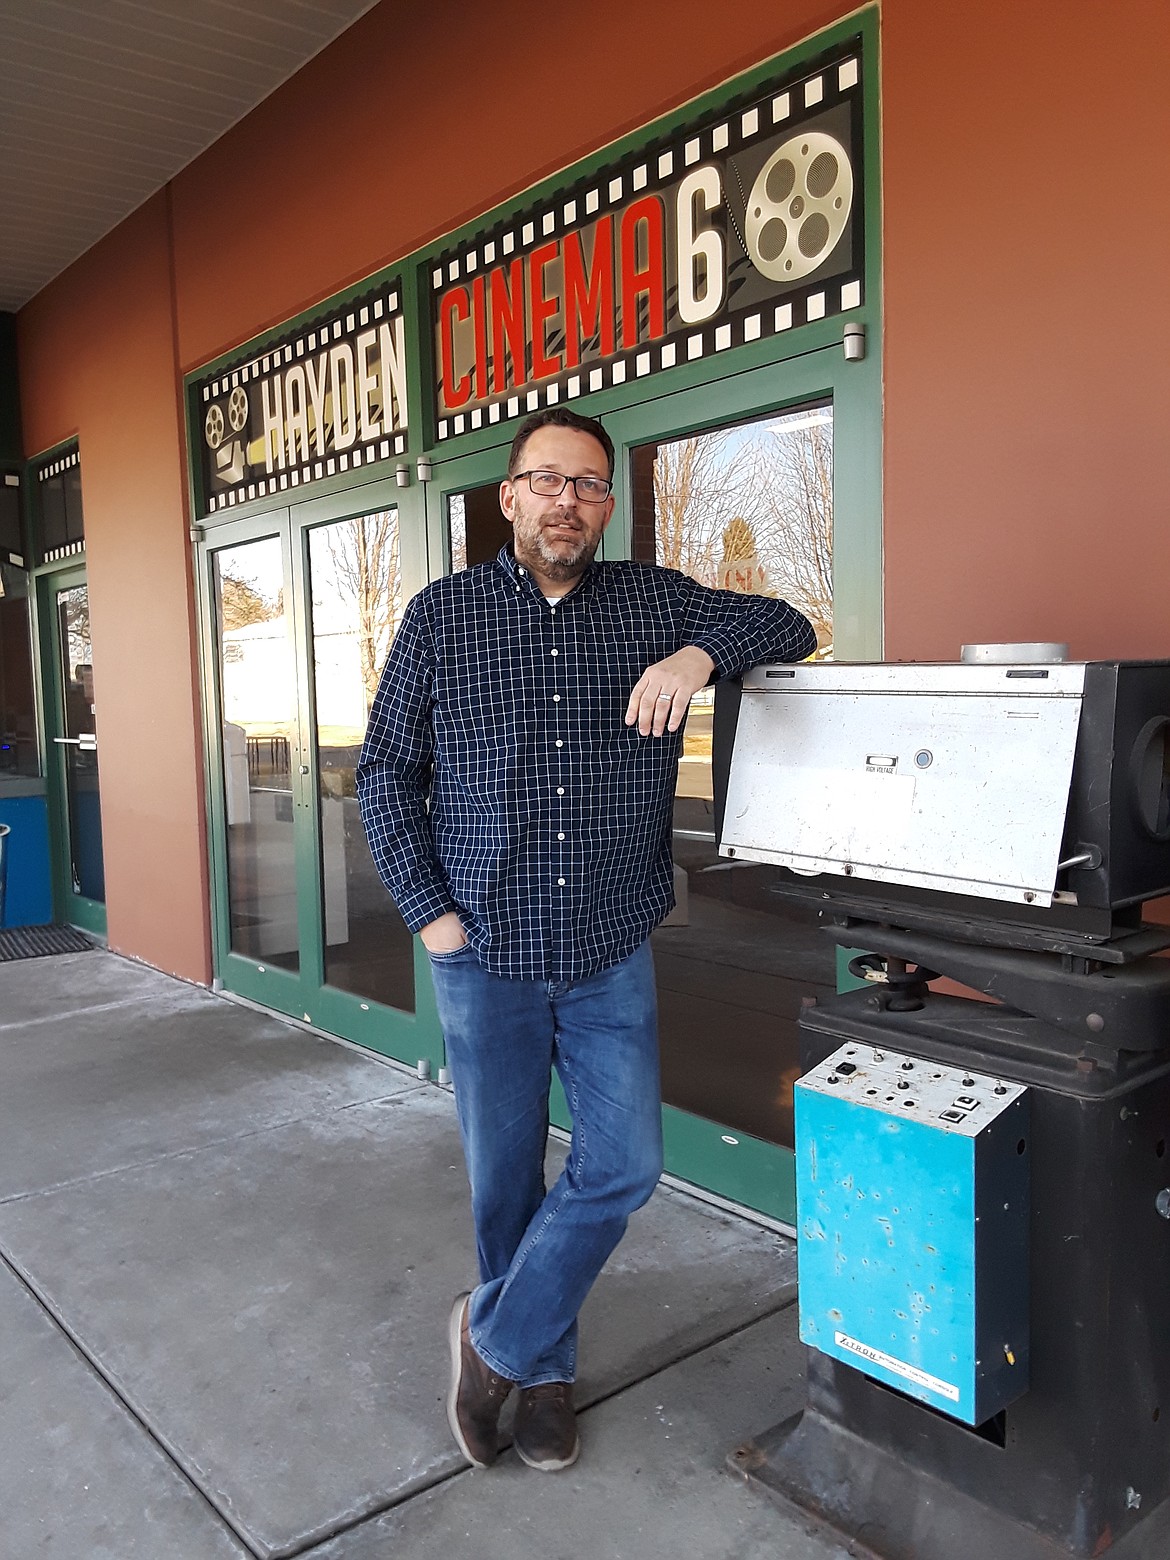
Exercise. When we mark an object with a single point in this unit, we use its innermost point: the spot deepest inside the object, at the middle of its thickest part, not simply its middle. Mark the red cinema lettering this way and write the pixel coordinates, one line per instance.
(479, 311)
(589, 297)
(507, 323)
(543, 366)
(649, 279)
(455, 305)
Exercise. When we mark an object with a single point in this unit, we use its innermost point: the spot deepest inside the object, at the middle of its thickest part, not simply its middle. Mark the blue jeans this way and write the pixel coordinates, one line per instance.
(540, 1251)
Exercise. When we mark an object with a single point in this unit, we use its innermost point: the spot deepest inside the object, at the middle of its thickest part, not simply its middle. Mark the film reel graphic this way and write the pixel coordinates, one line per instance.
(213, 427)
(216, 425)
(238, 408)
(799, 206)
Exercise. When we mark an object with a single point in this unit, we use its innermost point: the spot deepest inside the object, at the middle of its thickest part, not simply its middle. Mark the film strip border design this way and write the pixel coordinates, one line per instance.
(54, 468)
(832, 83)
(384, 304)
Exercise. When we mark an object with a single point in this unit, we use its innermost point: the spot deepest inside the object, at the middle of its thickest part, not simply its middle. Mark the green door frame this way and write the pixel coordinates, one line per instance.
(69, 907)
(405, 1037)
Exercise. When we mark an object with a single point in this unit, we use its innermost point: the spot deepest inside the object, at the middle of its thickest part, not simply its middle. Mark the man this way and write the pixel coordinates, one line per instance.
(516, 785)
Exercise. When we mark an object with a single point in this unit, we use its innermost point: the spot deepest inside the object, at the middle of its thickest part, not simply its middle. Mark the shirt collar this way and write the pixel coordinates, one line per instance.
(519, 575)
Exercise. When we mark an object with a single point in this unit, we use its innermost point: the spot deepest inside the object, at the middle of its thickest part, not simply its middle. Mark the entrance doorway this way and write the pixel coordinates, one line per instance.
(301, 606)
(74, 787)
(766, 480)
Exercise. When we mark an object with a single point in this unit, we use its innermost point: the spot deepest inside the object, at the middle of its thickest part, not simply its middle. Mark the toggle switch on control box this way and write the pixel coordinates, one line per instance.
(912, 1186)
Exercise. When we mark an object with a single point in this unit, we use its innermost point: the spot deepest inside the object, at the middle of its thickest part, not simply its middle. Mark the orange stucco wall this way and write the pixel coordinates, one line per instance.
(97, 358)
(1027, 329)
(1026, 336)
(419, 118)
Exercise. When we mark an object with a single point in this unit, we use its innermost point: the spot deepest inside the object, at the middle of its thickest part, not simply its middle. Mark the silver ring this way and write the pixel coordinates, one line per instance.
(666, 695)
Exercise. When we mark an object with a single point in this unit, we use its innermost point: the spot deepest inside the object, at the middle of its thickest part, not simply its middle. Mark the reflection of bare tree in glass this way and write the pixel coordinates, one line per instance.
(240, 603)
(366, 566)
(77, 625)
(697, 492)
(457, 527)
(794, 524)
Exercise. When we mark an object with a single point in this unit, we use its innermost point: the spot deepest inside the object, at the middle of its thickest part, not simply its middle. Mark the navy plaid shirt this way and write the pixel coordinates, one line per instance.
(498, 777)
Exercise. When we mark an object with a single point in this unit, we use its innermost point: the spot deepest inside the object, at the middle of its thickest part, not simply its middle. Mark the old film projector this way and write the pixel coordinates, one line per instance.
(983, 1186)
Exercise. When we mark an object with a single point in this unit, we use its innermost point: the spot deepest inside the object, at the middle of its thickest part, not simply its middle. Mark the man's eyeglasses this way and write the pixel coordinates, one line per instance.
(551, 484)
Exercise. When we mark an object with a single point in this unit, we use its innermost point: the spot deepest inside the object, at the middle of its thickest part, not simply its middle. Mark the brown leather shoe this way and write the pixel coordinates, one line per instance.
(476, 1395)
(545, 1430)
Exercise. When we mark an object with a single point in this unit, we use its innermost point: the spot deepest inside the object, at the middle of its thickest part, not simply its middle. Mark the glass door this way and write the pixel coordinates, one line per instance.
(75, 791)
(300, 609)
(261, 743)
(743, 491)
(354, 602)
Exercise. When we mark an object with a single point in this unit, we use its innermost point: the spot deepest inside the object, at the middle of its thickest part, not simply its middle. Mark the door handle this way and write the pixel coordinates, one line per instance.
(87, 743)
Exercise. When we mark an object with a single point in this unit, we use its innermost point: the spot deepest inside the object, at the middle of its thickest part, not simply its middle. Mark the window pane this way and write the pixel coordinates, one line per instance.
(18, 719)
(82, 783)
(746, 508)
(258, 694)
(356, 605)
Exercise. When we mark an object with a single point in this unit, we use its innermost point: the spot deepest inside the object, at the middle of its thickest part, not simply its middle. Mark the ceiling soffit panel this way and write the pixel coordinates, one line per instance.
(103, 101)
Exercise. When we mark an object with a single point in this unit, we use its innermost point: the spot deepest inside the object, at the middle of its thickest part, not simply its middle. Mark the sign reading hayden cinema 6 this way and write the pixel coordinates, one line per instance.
(330, 398)
(738, 227)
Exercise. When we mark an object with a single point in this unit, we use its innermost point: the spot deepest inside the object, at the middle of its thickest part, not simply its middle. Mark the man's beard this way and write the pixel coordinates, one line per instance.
(533, 549)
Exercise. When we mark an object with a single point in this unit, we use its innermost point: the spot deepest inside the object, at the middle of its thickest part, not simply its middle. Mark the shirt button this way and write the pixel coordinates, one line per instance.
(560, 790)
(559, 742)
(560, 836)
(554, 652)
(556, 698)
(561, 882)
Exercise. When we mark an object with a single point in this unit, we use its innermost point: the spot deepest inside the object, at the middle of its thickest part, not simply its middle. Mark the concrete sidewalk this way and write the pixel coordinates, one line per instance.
(227, 1251)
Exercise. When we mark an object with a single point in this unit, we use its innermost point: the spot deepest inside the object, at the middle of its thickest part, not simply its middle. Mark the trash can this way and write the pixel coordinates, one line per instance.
(5, 831)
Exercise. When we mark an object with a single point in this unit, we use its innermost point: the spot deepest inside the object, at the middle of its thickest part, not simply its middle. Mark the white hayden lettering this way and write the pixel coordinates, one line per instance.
(332, 399)
(296, 403)
(272, 410)
(700, 253)
(341, 384)
(317, 378)
(392, 356)
(367, 383)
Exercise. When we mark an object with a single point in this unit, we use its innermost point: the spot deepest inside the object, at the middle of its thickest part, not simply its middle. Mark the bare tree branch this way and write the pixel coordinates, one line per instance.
(365, 556)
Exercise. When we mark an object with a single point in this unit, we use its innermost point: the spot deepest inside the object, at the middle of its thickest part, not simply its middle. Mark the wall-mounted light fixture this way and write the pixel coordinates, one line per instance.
(853, 340)
(424, 468)
(402, 474)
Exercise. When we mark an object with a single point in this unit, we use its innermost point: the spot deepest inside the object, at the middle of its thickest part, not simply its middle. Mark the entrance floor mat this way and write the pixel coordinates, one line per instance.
(36, 942)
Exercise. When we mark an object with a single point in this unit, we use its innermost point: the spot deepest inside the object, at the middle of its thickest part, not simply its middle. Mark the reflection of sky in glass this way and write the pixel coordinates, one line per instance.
(258, 565)
(733, 440)
(332, 598)
(762, 489)
(259, 689)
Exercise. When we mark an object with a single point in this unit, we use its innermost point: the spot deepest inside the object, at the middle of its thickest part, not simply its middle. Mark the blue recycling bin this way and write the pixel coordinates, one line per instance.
(5, 831)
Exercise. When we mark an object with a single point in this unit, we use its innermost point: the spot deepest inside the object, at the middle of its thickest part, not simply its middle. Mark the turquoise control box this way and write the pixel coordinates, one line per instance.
(912, 1199)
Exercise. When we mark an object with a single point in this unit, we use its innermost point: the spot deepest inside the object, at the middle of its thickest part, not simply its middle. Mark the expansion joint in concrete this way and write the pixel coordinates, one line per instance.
(169, 1452)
